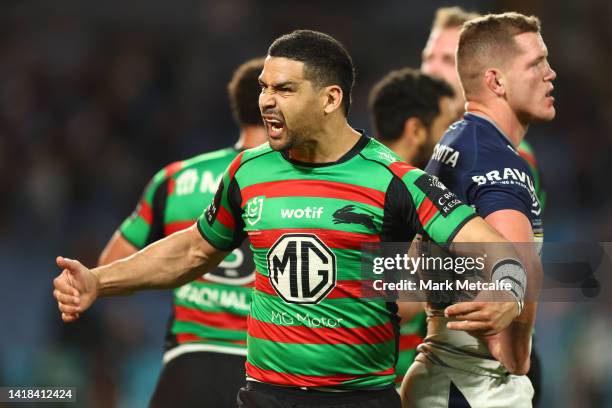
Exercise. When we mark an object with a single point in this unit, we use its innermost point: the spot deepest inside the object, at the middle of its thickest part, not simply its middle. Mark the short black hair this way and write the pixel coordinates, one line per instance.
(326, 61)
(243, 91)
(402, 94)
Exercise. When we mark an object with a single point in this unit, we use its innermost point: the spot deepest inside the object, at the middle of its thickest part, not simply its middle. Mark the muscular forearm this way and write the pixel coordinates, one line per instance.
(167, 263)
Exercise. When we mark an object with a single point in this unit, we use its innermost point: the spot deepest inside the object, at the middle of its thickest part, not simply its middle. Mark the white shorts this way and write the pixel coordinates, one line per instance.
(428, 385)
(454, 369)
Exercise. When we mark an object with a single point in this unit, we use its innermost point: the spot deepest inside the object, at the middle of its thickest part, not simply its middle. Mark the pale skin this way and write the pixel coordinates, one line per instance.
(438, 60)
(513, 93)
(322, 134)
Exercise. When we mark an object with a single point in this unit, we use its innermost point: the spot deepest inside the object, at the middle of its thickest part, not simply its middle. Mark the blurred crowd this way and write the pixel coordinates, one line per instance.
(95, 97)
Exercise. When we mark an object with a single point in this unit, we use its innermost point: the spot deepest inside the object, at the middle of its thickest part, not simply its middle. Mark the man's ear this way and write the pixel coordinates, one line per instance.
(332, 98)
(495, 81)
(415, 133)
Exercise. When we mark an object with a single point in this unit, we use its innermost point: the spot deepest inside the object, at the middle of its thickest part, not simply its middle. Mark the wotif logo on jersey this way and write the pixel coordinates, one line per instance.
(306, 212)
(253, 210)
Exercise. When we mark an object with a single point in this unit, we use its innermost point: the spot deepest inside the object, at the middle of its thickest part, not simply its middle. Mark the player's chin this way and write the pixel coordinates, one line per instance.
(549, 114)
(545, 114)
(278, 144)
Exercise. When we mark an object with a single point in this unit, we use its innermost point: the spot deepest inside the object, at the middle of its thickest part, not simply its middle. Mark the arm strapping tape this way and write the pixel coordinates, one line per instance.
(511, 271)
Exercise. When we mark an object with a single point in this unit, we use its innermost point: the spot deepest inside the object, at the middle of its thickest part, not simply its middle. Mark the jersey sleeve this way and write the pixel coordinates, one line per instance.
(221, 224)
(145, 224)
(429, 207)
(491, 186)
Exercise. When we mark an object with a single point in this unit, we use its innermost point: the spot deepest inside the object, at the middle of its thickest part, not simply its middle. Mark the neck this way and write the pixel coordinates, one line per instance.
(503, 117)
(332, 141)
(251, 136)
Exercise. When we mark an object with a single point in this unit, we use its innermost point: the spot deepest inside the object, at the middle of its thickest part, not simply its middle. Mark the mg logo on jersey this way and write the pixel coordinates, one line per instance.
(253, 209)
(302, 268)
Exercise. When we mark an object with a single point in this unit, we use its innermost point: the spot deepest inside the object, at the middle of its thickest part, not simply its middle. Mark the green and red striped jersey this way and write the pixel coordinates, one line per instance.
(307, 223)
(526, 152)
(412, 333)
(210, 313)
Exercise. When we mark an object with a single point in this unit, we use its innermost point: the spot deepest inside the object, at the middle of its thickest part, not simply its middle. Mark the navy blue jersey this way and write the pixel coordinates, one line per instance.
(477, 162)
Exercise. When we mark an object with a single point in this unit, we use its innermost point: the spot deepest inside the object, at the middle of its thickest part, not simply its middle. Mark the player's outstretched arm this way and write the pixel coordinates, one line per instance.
(170, 262)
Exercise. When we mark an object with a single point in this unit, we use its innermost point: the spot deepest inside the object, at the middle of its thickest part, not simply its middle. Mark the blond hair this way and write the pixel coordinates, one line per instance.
(452, 17)
(488, 40)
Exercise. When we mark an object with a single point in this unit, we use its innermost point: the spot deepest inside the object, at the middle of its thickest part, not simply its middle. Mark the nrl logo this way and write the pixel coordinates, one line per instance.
(386, 156)
(253, 210)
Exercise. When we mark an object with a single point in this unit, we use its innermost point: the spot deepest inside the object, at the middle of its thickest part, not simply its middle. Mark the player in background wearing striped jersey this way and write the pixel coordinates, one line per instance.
(307, 201)
(504, 71)
(410, 112)
(205, 345)
(439, 59)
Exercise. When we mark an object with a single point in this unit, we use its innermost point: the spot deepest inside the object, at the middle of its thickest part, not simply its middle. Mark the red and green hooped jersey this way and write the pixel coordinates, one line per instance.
(412, 333)
(210, 312)
(306, 224)
(527, 153)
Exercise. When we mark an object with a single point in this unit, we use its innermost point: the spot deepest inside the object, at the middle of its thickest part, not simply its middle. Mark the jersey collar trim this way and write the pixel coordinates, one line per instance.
(358, 147)
(472, 115)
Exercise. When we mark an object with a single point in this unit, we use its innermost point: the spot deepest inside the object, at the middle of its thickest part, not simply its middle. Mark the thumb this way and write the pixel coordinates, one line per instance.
(70, 265)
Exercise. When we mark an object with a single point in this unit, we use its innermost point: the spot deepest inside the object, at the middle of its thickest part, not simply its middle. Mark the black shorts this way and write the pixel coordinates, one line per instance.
(258, 395)
(200, 379)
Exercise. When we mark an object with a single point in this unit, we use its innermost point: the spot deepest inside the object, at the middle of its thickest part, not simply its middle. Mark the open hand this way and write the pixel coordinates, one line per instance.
(483, 316)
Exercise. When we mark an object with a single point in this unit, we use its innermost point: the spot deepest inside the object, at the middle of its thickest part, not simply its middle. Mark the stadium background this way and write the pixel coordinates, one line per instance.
(96, 96)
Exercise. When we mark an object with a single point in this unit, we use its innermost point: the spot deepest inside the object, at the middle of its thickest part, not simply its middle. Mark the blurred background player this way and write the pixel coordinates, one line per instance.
(439, 59)
(205, 345)
(504, 71)
(411, 111)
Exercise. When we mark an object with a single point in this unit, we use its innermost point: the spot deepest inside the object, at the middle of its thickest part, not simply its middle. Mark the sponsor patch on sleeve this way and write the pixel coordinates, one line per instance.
(213, 208)
(441, 197)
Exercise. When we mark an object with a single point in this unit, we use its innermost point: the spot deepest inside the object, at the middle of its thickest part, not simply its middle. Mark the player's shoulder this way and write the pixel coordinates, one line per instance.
(256, 152)
(253, 156)
(215, 162)
(386, 160)
(487, 145)
(211, 158)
